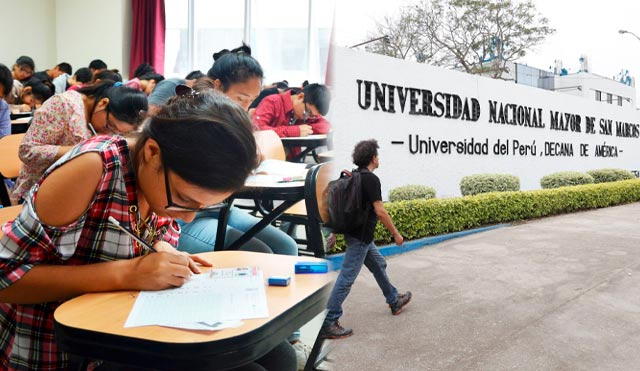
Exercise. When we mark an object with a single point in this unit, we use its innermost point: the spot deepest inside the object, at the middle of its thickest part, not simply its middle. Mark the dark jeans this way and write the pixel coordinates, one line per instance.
(358, 253)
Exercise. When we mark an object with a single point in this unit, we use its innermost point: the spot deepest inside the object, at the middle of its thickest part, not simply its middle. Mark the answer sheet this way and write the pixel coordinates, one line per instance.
(219, 298)
(282, 168)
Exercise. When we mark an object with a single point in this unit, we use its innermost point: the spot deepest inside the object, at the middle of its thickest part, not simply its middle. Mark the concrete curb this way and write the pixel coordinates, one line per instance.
(389, 250)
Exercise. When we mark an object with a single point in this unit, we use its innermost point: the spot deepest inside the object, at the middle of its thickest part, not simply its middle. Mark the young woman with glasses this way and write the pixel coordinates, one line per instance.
(189, 157)
(67, 119)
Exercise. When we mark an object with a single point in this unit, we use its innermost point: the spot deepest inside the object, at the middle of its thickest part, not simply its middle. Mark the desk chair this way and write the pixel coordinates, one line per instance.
(8, 213)
(312, 211)
(10, 163)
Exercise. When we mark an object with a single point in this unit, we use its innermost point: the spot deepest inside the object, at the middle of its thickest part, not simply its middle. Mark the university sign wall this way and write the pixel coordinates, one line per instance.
(435, 126)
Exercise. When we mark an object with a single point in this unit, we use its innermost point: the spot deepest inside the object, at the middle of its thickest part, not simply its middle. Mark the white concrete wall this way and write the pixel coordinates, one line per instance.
(444, 171)
(28, 29)
(90, 29)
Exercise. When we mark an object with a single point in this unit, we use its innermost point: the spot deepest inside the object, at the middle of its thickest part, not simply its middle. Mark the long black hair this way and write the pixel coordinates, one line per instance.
(125, 104)
(205, 138)
(234, 66)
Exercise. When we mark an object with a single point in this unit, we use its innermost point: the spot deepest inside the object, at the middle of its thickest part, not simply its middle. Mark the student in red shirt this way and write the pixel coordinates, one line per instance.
(295, 113)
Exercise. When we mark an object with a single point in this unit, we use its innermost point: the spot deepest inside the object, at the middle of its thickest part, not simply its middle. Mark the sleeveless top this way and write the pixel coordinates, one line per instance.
(27, 339)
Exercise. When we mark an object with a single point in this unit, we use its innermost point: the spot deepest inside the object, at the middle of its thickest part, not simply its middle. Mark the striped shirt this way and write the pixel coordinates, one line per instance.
(27, 339)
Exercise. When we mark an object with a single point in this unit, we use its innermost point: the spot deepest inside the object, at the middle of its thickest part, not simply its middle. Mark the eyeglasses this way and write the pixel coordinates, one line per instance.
(171, 206)
(307, 113)
(26, 70)
(110, 126)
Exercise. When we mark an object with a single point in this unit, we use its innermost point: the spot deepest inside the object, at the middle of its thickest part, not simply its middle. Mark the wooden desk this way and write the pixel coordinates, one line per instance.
(326, 156)
(92, 325)
(20, 125)
(290, 193)
(310, 142)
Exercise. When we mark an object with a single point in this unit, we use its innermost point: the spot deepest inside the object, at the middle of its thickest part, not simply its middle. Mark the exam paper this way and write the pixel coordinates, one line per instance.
(282, 168)
(220, 298)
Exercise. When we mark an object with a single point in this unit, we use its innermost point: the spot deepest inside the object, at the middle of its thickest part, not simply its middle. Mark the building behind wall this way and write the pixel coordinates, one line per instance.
(583, 83)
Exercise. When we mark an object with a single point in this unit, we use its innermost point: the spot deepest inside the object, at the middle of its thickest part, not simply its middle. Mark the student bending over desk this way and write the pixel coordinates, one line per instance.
(69, 118)
(190, 157)
(295, 113)
(237, 75)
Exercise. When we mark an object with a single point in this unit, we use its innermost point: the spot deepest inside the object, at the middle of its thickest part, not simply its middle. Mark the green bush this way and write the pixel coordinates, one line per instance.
(422, 218)
(484, 183)
(610, 175)
(565, 178)
(411, 192)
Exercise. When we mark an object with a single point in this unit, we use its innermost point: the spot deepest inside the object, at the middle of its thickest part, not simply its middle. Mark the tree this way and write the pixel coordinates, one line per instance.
(475, 36)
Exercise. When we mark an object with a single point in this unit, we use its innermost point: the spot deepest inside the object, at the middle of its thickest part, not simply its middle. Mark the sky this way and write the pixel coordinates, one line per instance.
(587, 27)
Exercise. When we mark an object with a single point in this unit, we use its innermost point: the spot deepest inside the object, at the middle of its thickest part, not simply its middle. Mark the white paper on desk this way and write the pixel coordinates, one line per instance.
(213, 326)
(282, 168)
(221, 295)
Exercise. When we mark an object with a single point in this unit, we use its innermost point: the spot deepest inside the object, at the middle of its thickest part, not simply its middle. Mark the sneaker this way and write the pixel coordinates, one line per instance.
(401, 301)
(302, 353)
(334, 331)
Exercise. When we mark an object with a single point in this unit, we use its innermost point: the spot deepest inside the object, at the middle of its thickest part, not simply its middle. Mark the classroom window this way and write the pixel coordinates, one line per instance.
(620, 101)
(218, 24)
(176, 51)
(598, 95)
(290, 38)
(609, 98)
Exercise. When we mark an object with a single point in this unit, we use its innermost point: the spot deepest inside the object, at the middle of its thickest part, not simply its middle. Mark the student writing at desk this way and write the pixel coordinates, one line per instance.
(21, 71)
(190, 157)
(295, 113)
(71, 117)
(236, 74)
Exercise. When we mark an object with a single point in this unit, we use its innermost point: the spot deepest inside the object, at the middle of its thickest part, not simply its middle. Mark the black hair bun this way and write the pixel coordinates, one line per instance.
(219, 54)
(244, 49)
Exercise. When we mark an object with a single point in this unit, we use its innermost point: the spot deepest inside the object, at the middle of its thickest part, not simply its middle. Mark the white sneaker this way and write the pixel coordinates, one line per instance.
(302, 353)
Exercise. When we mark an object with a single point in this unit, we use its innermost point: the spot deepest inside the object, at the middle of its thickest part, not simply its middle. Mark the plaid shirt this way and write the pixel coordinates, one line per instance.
(27, 339)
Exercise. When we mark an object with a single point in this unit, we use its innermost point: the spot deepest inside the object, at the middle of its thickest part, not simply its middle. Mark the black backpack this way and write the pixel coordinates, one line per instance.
(347, 211)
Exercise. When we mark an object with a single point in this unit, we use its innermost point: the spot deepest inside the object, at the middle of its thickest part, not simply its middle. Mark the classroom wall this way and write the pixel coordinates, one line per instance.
(89, 29)
(29, 30)
(73, 31)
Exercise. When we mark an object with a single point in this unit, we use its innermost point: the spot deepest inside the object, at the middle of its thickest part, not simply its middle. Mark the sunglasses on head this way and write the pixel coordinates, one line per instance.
(184, 90)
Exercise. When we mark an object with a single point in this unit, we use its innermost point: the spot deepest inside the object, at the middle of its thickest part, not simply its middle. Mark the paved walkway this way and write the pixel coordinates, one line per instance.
(558, 293)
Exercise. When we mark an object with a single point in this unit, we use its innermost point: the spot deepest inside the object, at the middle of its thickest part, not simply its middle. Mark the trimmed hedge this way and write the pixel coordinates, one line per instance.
(610, 175)
(564, 179)
(411, 192)
(422, 218)
(485, 183)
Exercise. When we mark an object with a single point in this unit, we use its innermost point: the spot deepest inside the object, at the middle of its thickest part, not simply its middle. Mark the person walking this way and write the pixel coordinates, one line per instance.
(360, 246)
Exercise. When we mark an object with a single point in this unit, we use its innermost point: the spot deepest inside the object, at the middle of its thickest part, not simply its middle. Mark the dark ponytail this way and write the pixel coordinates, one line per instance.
(234, 66)
(205, 138)
(125, 104)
